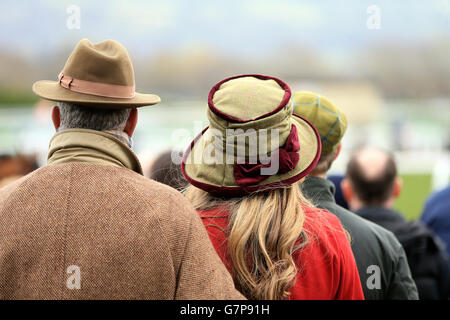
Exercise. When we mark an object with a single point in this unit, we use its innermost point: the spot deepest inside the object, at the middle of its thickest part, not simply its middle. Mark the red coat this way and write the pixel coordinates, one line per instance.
(327, 268)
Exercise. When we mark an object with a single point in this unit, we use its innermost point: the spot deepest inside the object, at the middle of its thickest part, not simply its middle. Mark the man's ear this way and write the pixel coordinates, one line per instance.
(56, 117)
(347, 190)
(398, 185)
(131, 122)
(339, 148)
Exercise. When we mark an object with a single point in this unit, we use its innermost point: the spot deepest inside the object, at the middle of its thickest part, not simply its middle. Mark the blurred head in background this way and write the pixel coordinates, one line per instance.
(14, 167)
(371, 179)
(164, 170)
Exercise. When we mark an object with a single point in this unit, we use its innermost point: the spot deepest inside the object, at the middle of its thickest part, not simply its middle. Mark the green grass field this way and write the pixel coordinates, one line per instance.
(10, 97)
(416, 189)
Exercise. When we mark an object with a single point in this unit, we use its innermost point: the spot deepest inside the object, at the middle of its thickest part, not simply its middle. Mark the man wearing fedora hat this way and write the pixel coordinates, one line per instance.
(89, 225)
(382, 263)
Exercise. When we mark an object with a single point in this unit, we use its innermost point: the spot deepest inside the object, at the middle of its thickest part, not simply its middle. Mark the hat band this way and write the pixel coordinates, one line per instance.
(96, 88)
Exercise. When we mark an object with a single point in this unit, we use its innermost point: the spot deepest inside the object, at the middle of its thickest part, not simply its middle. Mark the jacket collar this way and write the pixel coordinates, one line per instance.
(84, 145)
(318, 189)
(379, 214)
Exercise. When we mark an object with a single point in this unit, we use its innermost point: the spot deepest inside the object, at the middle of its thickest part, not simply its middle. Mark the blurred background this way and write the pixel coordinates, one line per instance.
(385, 63)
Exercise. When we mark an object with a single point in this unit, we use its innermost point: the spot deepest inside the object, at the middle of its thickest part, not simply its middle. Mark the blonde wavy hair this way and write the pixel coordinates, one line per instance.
(264, 231)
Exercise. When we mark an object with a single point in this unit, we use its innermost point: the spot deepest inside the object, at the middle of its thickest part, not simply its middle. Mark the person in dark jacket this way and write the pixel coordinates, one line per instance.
(436, 215)
(370, 187)
(380, 258)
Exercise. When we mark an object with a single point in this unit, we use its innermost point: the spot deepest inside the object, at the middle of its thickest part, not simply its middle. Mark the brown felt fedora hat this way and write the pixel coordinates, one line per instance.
(96, 74)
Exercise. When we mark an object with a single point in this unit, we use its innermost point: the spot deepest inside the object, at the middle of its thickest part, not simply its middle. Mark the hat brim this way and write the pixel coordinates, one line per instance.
(51, 90)
(219, 179)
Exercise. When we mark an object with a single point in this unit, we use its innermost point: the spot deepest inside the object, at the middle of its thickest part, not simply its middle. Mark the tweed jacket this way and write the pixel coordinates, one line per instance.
(88, 225)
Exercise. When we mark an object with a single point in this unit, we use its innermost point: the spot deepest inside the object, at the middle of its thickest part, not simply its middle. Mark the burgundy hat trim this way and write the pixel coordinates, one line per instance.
(240, 191)
(284, 102)
(250, 174)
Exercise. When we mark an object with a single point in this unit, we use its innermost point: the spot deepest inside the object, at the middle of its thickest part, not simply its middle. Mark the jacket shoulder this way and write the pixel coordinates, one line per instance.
(365, 229)
(375, 245)
(157, 195)
(10, 188)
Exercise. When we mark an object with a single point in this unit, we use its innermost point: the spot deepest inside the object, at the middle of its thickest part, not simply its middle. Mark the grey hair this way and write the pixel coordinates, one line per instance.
(74, 116)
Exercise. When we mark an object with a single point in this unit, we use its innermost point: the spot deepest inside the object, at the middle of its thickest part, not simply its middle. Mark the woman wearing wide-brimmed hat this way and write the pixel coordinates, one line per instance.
(245, 169)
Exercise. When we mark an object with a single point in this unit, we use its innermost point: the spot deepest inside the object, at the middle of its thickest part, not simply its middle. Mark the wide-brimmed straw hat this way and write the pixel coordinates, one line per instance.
(96, 74)
(254, 141)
